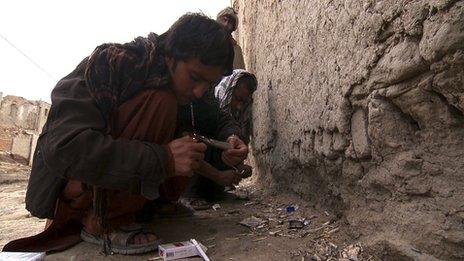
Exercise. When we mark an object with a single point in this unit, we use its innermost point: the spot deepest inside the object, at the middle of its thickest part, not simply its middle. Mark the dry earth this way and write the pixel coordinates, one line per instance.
(15, 220)
(326, 237)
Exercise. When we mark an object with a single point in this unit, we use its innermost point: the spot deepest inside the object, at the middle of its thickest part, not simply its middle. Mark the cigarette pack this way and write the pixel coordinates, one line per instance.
(22, 256)
(178, 250)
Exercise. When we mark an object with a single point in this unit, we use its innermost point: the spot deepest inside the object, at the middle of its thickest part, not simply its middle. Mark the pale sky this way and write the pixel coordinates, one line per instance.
(58, 34)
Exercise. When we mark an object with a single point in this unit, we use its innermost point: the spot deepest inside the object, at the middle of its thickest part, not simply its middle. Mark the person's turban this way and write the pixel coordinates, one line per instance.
(230, 13)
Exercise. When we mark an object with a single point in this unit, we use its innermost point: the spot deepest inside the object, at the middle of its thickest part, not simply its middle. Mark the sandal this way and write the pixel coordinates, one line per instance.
(120, 238)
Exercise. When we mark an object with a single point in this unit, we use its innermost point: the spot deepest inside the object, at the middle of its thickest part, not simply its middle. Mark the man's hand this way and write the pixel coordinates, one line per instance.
(227, 178)
(187, 153)
(237, 154)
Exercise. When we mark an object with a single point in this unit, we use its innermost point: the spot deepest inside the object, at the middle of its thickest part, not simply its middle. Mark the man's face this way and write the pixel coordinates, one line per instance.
(191, 79)
(227, 22)
(240, 97)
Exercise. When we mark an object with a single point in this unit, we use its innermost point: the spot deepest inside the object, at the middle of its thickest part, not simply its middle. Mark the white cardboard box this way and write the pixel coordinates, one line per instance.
(22, 256)
(178, 250)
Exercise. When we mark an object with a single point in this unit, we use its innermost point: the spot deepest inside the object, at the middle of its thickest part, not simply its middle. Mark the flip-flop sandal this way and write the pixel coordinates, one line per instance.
(120, 238)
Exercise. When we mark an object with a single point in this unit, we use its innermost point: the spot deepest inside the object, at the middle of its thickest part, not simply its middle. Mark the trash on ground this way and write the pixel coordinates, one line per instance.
(179, 250)
(25, 256)
(333, 230)
(233, 211)
(252, 222)
(242, 195)
(259, 239)
(291, 208)
(298, 223)
(200, 249)
(275, 233)
(216, 207)
(352, 252)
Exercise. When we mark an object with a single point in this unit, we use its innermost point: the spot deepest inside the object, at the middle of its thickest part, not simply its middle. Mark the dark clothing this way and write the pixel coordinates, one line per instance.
(76, 141)
(224, 92)
(76, 144)
(105, 137)
(150, 117)
(116, 72)
(209, 120)
(212, 122)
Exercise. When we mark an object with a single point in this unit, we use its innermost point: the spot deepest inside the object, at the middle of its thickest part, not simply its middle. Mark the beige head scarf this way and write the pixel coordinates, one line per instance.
(230, 13)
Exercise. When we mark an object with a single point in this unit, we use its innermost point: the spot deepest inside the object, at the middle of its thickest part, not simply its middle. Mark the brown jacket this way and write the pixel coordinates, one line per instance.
(75, 144)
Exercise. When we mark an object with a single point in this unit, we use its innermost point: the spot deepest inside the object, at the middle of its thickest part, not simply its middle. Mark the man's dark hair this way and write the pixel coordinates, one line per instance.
(250, 82)
(195, 35)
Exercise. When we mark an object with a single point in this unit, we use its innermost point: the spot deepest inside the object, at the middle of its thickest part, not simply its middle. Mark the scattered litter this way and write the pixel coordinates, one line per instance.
(261, 226)
(250, 203)
(326, 224)
(242, 195)
(291, 208)
(179, 250)
(304, 234)
(233, 211)
(25, 256)
(259, 239)
(326, 213)
(333, 230)
(416, 250)
(275, 233)
(352, 252)
(216, 207)
(200, 249)
(332, 245)
(252, 222)
(296, 223)
(289, 236)
(232, 238)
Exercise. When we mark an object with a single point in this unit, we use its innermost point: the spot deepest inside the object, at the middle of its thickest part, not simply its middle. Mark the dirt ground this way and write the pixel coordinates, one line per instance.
(324, 238)
(15, 220)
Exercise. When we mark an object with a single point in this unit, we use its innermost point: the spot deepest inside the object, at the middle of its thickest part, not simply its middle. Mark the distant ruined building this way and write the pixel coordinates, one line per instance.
(21, 122)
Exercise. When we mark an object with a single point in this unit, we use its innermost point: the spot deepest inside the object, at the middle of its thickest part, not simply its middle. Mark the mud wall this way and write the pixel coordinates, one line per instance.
(360, 107)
